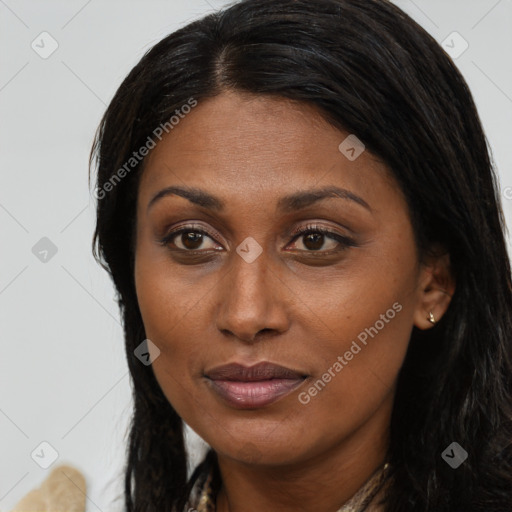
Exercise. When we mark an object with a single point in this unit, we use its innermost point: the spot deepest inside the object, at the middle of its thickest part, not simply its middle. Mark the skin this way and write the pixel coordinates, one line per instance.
(291, 306)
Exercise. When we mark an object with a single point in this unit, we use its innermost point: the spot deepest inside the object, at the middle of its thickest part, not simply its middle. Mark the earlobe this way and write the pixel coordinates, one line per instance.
(436, 288)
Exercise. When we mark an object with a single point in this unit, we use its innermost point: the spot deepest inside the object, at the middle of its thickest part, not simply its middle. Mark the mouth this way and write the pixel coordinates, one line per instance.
(252, 387)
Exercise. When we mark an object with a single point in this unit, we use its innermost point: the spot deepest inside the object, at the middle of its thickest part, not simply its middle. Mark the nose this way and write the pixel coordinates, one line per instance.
(252, 301)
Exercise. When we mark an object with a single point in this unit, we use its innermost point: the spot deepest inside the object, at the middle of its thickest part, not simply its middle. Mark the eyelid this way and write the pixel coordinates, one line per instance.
(186, 227)
(314, 226)
(343, 240)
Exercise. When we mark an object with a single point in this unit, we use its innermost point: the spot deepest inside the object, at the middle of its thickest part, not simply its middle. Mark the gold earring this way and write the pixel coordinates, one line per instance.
(431, 318)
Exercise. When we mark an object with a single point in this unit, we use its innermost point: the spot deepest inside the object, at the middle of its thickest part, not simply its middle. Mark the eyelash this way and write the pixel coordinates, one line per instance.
(344, 241)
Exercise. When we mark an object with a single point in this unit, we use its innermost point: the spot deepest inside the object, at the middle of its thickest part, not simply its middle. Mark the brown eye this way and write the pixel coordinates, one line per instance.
(191, 239)
(188, 239)
(314, 239)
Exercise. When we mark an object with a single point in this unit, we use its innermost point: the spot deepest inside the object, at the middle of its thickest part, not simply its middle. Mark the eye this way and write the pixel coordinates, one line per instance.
(314, 238)
(191, 239)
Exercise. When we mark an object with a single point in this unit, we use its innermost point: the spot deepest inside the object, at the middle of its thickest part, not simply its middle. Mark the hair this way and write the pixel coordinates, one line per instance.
(370, 70)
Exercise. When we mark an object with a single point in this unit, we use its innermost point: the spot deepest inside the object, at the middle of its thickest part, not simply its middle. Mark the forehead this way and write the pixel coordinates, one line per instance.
(259, 146)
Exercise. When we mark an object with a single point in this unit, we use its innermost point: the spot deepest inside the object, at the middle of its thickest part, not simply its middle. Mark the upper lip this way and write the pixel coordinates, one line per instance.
(257, 372)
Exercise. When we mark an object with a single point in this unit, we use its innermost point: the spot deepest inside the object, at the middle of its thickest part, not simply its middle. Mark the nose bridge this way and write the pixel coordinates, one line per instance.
(250, 299)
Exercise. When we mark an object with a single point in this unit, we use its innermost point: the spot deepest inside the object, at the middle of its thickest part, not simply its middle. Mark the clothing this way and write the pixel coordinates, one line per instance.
(365, 500)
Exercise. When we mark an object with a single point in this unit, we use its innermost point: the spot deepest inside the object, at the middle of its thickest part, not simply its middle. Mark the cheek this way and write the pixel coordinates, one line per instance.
(172, 330)
(170, 307)
(356, 375)
(362, 330)
(165, 300)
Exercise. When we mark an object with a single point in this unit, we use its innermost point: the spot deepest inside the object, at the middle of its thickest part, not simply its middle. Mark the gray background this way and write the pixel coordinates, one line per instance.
(63, 376)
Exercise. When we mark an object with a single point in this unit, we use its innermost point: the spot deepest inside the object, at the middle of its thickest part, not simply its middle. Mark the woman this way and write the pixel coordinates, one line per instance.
(300, 216)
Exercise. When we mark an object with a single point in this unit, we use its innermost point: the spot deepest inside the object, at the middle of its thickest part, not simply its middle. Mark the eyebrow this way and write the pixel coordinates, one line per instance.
(292, 202)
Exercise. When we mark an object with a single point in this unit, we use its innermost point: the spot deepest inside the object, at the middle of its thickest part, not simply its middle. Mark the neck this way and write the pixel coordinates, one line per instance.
(322, 483)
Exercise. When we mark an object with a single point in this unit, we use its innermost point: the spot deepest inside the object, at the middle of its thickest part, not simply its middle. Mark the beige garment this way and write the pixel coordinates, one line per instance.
(62, 491)
(365, 500)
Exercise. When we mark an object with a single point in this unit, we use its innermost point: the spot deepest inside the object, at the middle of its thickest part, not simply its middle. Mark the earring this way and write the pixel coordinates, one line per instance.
(431, 318)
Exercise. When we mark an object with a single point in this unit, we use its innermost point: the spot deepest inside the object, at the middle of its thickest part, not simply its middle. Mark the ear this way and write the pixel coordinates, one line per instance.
(436, 286)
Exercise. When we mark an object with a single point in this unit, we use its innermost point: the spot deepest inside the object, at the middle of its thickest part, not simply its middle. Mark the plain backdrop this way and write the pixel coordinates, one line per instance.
(63, 375)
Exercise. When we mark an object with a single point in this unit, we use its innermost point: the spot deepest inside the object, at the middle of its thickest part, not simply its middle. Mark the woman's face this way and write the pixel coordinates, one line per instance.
(240, 285)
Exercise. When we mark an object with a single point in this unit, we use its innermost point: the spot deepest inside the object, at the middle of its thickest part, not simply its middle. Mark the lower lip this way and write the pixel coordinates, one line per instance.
(251, 395)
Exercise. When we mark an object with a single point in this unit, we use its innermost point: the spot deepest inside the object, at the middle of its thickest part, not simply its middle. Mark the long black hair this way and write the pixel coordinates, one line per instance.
(369, 69)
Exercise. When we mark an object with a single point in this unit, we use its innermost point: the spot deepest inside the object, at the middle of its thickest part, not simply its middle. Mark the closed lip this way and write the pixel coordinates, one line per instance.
(253, 387)
(257, 372)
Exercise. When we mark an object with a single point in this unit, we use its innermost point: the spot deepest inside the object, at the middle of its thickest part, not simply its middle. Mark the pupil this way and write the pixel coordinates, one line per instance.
(317, 240)
(191, 238)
